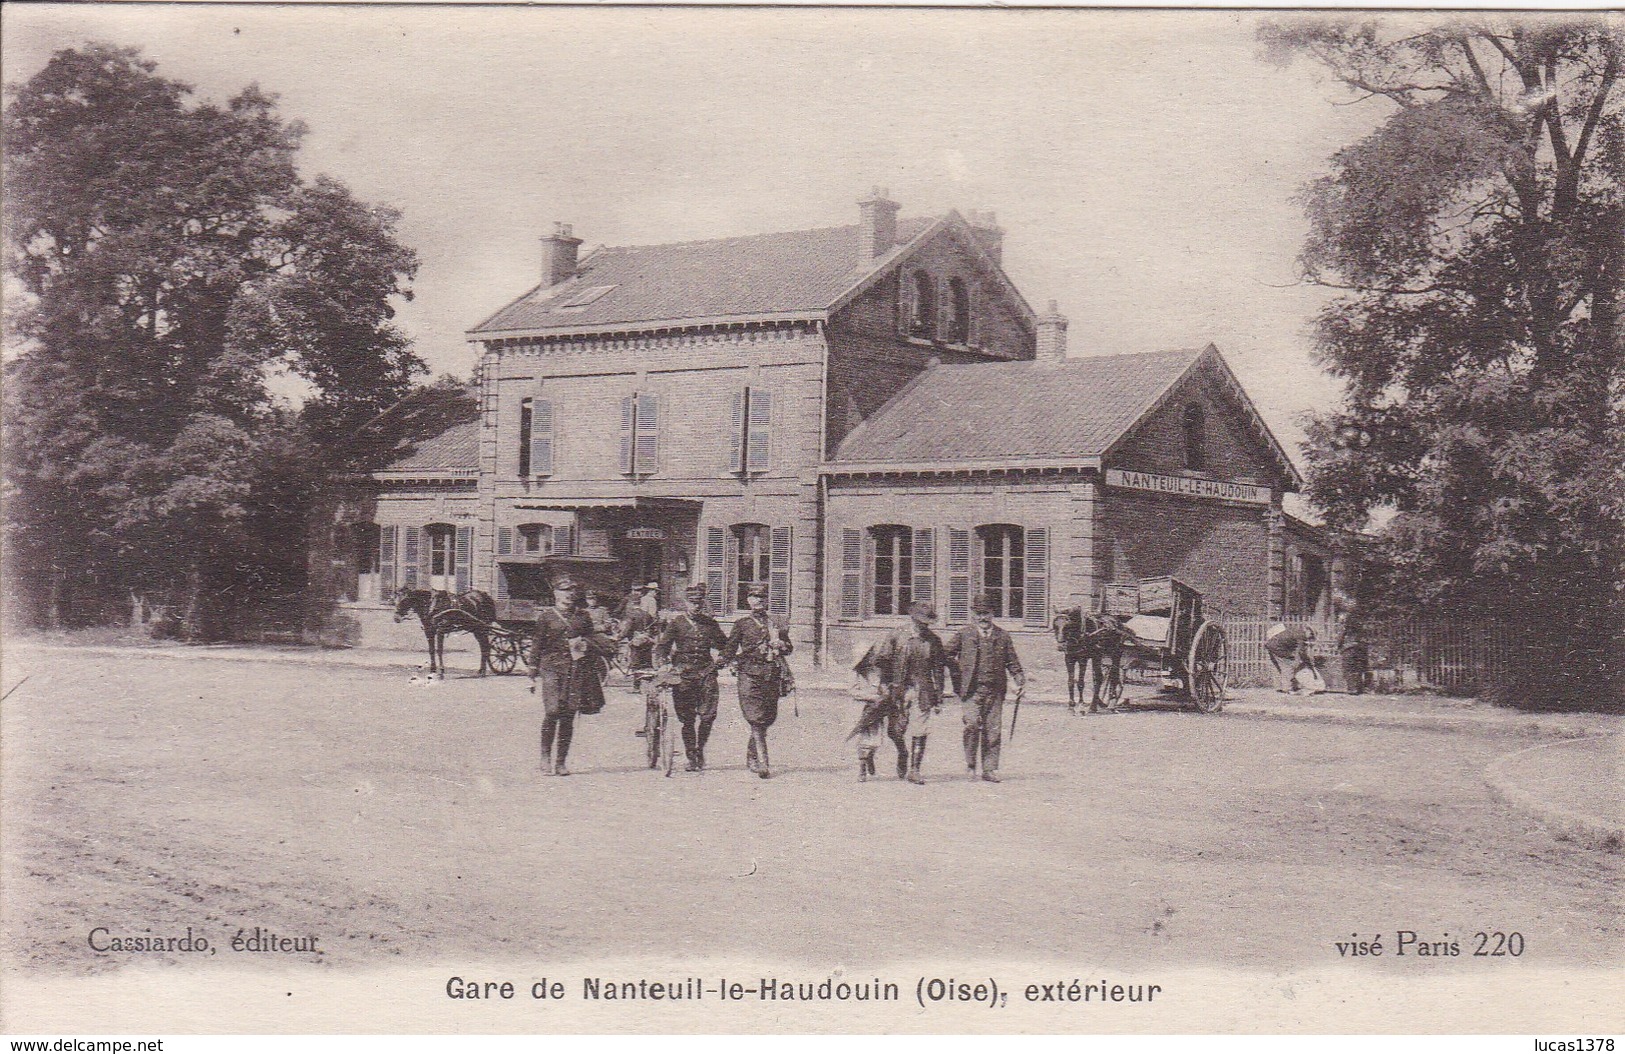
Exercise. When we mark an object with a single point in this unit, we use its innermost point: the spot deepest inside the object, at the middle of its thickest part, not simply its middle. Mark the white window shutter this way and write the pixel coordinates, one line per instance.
(465, 559)
(851, 573)
(504, 541)
(778, 580)
(716, 558)
(1036, 586)
(958, 576)
(736, 432)
(925, 564)
(541, 438)
(646, 458)
(386, 561)
(409, 558)
(627, 417)
(761, 430)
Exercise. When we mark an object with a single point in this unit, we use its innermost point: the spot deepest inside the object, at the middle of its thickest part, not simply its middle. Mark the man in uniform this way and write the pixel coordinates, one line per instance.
(564, 664)
(687, 644)
(984, 661)
(909, 666)
(755, 647)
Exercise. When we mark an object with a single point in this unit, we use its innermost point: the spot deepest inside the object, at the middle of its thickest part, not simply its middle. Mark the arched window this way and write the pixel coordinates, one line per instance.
(891, 569)
(924, 322)
(1195, 425)
(1003, 565)
(753, 559)
(958, 312)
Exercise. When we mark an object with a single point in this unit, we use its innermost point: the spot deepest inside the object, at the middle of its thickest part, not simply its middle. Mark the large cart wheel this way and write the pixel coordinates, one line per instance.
(1206, 668)
(504, 653)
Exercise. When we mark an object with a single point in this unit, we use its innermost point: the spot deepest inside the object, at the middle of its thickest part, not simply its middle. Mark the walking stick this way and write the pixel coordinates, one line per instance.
(1015, 713)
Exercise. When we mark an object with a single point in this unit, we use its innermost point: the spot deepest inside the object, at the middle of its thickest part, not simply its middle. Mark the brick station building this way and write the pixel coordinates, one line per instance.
(856, 417)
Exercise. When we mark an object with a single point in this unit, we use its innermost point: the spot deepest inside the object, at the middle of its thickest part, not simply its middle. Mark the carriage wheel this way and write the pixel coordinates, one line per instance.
(504, 653)
(1206, 669)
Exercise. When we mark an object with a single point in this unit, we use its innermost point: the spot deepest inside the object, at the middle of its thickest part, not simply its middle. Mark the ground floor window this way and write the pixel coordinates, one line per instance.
(752, 561)
(364, 545)
(892, 569)
(1003, 566)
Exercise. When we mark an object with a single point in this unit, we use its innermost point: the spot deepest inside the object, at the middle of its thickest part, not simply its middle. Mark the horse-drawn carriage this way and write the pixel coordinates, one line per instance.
(1150, 633)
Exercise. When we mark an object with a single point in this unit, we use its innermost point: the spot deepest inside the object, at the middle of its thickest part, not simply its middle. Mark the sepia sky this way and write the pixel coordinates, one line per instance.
(1143, 164)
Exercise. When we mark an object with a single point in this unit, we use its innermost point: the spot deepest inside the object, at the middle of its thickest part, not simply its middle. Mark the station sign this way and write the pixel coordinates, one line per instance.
(1189, 486)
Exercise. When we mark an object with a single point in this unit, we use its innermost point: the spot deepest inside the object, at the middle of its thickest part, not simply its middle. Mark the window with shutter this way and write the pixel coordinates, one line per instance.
(504, 541)
(1037, 576)
(891, 569)
(526, 420)
(759, 444)
(465, 559)
(999, 569)
(716, 560)
(541, 438)
(851, 573)
(627, 420)
(646, 453)
(958, 576)
(925, 564)
(410, 557)
(778, 583)
(386, 562)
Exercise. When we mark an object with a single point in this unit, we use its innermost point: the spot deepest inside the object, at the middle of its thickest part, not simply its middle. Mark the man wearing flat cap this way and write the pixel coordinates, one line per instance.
(687, 643)
(565, 659)
(983, 661)
(907, 668)
(755, 648)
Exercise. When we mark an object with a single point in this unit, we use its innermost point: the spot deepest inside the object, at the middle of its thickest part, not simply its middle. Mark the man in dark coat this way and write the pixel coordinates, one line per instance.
(908, 666)
(755, 647)
(687, 643)
(983, 661)
(1288, 649)
(564, 663)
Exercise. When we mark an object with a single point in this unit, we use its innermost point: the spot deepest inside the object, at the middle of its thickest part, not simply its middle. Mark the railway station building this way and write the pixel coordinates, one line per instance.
(856, 416)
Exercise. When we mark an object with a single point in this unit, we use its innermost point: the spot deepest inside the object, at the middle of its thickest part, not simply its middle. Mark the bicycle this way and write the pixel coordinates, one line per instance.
(662, 733)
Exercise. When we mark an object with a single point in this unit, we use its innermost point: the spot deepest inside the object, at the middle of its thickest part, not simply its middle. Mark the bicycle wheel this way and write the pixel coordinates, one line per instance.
(668, 740)
(1114, 685)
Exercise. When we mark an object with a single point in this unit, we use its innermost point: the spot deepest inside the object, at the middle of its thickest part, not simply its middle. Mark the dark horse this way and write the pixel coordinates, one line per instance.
(1084, 639)
(443, 614)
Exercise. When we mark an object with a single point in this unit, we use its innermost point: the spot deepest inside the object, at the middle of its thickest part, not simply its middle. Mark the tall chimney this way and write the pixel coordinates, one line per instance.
(559, 255)
(1051, 335)
(989, 234)
(877, 225)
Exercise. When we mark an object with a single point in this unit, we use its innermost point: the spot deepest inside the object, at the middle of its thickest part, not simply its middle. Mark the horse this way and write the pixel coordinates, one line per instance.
(1085, 639)
(443, 614)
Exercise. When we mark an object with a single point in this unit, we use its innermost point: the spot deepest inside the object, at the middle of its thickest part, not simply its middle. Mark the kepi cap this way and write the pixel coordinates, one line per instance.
(981, 605)
(922, 609)
(565, 582)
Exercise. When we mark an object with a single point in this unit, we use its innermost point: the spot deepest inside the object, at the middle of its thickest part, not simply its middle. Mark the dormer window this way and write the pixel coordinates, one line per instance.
(582, 297)
(1194, 428)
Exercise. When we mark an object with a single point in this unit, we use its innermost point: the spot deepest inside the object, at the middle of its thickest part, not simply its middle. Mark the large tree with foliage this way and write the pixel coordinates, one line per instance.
(1476, 236)
(172, 261)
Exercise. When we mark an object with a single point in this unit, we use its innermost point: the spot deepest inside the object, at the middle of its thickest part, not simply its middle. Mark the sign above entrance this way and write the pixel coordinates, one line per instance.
(1188, 486)
(645, 534)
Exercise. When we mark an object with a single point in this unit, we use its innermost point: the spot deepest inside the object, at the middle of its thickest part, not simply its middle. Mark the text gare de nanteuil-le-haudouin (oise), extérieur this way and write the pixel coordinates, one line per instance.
(772, 989)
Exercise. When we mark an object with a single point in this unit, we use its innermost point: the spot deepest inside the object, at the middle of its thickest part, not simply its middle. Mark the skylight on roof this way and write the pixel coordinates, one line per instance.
(584, 297)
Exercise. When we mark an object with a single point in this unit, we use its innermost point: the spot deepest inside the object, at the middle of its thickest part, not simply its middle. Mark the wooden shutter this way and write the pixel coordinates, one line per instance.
(958, 576)
(730, 574)
(541, 437)
(1036, 586)
(945, 309)
(778, 579)
(761, 430)
(716, 557)
(409, 558)
(925, 564)
(646, 458)
(465, 558)
(736, 432)
(386, 562)
(526, 417)
(851, 573)
(501, 584)
(627, 405)
(562, 541)
(504, 541)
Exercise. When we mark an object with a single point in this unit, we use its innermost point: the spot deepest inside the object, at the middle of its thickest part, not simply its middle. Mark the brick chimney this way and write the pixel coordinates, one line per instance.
(988, 233)
(559, 255)
(1051, 335)
(877, 225)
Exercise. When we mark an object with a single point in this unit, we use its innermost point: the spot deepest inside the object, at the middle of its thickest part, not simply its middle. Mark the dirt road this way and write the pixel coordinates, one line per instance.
(399, 823)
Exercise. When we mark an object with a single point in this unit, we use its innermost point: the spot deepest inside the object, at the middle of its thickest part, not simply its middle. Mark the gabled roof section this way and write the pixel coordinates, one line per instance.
(433, 431)
(1075, 411)
(799, 274)
(1076, 408)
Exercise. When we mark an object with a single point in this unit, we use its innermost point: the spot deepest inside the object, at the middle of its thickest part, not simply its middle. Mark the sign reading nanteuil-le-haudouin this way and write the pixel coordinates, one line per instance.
(1189, 486)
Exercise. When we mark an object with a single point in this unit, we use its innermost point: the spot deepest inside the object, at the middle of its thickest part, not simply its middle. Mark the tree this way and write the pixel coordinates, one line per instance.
(173, 260)
(1476, 237)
